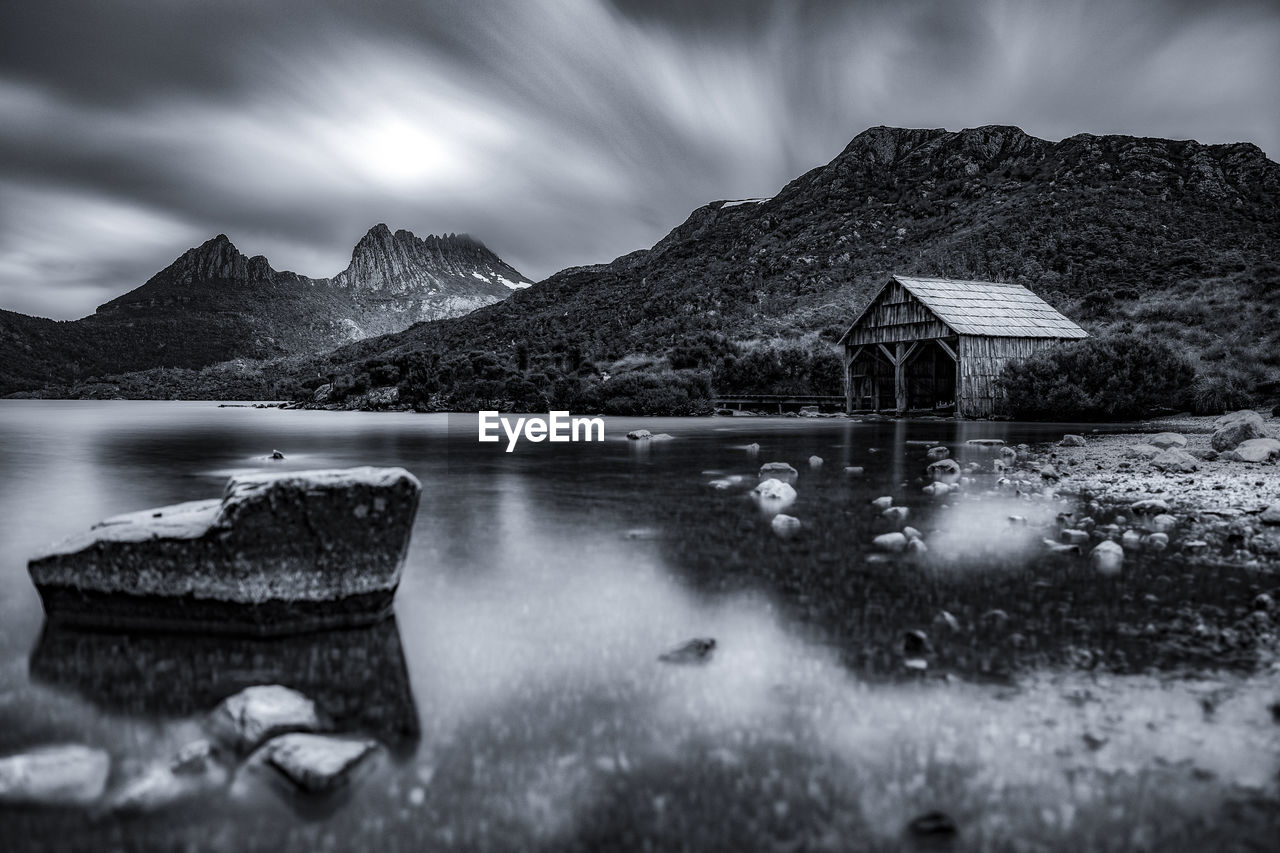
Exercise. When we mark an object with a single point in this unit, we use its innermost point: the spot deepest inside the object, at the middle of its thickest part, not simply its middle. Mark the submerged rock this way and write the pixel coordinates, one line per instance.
(945, 471)
(883, 502)
(191, 773)
(785, 526)
(933, 825)
(276, 454)
(938, 453)
(775, 491)
(638, 434)
(256, 714)
(1071, 440)
(1271, 515)
(317, 763)
(815, 461)
(278, 553)
(892, 542)
(895, 514)
(697, 650)
(778, 471)
(62, 775)
(1107, 558)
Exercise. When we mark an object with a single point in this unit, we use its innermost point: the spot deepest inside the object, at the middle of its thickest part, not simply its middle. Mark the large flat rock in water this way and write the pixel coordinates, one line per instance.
(278, 553)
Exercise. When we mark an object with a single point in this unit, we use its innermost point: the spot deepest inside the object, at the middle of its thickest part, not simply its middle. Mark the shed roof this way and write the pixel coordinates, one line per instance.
(989, 308)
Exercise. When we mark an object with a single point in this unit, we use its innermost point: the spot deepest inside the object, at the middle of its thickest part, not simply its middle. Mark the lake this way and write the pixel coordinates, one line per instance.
(518, 691)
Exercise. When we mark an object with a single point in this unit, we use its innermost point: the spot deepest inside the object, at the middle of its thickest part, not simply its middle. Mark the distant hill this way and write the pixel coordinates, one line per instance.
(213, 304)
(1174, 237)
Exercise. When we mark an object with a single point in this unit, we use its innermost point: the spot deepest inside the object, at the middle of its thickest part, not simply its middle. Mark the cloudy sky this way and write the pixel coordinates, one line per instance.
(560, 132)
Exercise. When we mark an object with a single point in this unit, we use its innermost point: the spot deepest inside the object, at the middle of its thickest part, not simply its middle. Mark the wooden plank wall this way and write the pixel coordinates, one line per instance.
(981, 361)
(895, 316)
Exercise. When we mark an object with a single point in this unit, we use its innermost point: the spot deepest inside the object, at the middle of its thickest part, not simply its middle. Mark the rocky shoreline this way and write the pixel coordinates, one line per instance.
(1215, 497)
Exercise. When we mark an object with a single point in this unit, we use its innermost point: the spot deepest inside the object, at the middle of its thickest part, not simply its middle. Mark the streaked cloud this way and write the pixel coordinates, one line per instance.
(560, 133)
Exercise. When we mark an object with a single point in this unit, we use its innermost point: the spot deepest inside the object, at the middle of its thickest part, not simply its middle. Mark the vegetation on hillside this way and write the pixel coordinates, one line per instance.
(1128, 236)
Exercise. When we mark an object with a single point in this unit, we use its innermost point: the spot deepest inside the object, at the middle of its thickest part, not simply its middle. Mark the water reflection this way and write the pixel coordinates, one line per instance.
(357, 677)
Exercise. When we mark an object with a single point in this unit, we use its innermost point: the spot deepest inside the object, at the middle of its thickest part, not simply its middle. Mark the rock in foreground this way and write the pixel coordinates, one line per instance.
(259, 713)
(317, 763)
(278, 554)
(63, 775)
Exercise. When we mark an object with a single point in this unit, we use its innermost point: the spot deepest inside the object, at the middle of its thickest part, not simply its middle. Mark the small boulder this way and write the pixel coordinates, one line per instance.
(62, 775)
(1165, 440)
(809, 411)
(854, 470)
(1050, 473)
(775, 491)
(1176, 461)
(883, 502)
(991, 443)
(895, 514)
(259, 713)
(1149, 505)
(1075, 537)
(1107, 558)
(785, 526)
(1271, 515)
(697, 650)
(1072, 440)
(1156, 541)
(317, 763)
(936, 453)
(1145, 452)
(192, 771)
(778, 471)
(815, 461)
(945, 471)
(891, 542)
(1236, 427)
(752, 448)
(1258, 450)
(1164, 522)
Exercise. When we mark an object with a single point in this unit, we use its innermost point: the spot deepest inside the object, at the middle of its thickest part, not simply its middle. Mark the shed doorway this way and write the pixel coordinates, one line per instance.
(931, 378)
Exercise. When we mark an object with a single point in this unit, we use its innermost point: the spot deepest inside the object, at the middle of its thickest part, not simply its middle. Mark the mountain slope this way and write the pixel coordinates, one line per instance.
(1169, 236)
(213, 304)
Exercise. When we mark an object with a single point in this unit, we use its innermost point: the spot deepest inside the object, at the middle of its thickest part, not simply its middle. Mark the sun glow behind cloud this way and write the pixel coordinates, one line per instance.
(560, 133)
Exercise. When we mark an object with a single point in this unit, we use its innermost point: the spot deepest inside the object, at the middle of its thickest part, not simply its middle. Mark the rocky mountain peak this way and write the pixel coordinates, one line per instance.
(217, 258)
(401, 263)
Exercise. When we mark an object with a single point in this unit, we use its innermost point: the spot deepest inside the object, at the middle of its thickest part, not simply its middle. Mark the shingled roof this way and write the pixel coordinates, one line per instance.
(990, 308)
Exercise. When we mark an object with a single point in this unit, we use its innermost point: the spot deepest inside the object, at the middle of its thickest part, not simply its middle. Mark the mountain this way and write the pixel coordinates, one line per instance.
(213, 304)
(1172, 237)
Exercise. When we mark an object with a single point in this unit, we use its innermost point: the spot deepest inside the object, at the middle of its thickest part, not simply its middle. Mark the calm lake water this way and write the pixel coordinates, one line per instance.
(518, 691)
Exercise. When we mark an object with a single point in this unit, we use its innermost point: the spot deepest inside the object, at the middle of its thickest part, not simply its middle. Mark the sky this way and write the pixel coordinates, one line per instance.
(558, 132)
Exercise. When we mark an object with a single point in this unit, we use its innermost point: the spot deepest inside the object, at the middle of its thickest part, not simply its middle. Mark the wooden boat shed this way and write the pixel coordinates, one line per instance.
(939, 344)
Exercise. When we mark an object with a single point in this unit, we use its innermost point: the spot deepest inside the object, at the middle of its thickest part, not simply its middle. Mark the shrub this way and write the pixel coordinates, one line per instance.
(1218, 395)
(1107, 378)
(781, 370)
